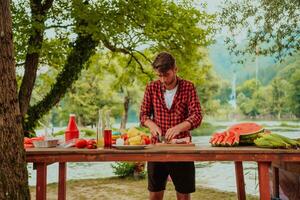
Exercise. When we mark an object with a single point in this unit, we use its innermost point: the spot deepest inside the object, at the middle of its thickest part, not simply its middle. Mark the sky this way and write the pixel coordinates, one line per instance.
(213, 5)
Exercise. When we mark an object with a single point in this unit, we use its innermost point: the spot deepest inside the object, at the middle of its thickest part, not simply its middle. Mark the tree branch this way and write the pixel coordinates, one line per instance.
(47, 5)
(20, 64)
(83, 48)
(59, 26)
(113, 48)
(144, 56)
(127, 52)
(38, 16)
(141, 66)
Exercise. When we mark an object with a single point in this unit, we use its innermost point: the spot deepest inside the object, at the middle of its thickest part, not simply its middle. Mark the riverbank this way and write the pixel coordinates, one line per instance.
(126, 189)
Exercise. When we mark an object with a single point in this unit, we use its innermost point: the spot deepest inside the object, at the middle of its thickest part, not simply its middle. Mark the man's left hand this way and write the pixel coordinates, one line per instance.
(171, 133)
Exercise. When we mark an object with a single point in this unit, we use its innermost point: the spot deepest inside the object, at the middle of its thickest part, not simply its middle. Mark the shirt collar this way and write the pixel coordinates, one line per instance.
(163, 87)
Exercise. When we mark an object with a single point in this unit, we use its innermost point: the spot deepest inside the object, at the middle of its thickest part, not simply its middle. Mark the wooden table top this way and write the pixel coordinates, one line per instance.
(163, 153)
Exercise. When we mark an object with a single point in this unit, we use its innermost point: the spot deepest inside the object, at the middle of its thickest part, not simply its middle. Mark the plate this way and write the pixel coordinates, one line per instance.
(129, 147)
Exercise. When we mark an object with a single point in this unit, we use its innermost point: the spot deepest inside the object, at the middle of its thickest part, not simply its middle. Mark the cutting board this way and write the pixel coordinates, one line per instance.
(174, 145)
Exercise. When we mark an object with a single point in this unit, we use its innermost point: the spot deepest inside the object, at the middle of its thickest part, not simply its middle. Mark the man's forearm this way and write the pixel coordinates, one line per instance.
(184, 126)
(149, 123)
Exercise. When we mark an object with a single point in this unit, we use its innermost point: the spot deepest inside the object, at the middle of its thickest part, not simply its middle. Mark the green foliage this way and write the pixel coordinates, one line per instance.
(84, 48)
(280, 89)
(59, 133)
(110, 77)
(143, 129)
(224, 92)
(271, 25)
(248, 88)
(123, 169)
(295, 94)
(205, 129)
(73, 30)
(247, 105)
(88, 132)
(279, 97)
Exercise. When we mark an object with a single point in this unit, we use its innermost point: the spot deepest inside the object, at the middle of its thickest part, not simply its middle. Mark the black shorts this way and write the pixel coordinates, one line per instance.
(182, 174)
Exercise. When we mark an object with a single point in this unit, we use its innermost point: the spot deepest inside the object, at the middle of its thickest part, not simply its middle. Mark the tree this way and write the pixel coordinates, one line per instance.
(248, 88)
(251, 98)
(117, 26)
(247, 105)
(224, 92)
(120, 85)
(295, 81)
(13, 170)
(282, 88)
(272, 26)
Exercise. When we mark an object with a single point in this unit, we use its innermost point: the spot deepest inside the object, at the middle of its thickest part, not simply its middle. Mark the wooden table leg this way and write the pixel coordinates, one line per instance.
(41, 181)
(275, 173)
(264, 180)
(62, 181)
(240, 183)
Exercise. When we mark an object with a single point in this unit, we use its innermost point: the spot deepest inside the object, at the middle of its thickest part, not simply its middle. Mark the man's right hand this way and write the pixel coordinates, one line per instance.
(154, 129)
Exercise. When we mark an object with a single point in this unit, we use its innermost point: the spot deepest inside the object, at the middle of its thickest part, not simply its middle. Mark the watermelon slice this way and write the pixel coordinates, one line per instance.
(246, 128)
(238, 134)
(248, 132)
(220, 139)
(226, 137)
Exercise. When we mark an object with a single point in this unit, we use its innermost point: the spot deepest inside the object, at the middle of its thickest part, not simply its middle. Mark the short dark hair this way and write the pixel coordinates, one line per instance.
(163, 62)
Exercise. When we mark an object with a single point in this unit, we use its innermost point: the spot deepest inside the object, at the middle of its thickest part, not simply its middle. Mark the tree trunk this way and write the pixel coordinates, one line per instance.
(83, 49)
(38, 18)
(13, 171)
(125, 113)
(279, 115)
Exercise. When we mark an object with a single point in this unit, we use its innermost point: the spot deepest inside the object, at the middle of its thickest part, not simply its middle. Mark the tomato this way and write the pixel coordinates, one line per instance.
(91, 142)
(28, 146)
(91, 146)
(146, 140)
(27, 140)
(41, 138)
(81, 143)
(124, 136)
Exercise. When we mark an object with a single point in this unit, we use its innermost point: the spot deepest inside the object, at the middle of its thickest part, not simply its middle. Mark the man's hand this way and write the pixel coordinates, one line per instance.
(172, 132)
(154, 129)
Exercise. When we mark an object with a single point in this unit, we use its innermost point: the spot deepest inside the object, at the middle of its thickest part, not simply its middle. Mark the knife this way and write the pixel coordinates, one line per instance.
(162, 138)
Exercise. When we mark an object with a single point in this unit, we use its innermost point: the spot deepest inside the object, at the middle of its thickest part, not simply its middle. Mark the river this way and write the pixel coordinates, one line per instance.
(218, 175)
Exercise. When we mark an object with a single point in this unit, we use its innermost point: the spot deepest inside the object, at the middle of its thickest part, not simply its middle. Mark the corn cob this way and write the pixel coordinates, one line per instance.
(276, 141)
(292, 142)
(268, 142)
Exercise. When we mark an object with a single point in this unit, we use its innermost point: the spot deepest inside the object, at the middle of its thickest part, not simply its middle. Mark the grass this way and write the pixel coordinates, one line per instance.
(127, 189)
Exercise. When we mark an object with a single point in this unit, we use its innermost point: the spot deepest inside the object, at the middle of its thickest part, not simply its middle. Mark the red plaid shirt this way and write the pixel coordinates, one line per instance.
(185, 107)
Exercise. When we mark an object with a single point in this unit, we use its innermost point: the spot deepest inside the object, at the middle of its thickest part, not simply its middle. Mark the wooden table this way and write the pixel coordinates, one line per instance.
(41, 157)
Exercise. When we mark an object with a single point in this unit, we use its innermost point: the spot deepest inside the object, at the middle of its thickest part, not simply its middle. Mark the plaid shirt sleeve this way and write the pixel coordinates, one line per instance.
(194, 109)
(146, 110)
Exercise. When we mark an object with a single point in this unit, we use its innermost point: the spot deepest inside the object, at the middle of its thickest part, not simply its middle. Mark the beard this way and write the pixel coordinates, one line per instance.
(171, 82)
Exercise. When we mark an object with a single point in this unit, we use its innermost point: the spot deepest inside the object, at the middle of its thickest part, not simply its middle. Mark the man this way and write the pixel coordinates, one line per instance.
(171, 109)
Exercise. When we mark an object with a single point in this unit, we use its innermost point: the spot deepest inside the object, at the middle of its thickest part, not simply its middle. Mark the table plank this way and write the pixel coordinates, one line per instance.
(163, 154)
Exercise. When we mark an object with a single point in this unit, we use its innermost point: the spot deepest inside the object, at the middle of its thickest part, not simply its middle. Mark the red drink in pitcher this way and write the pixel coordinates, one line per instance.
(107, 138)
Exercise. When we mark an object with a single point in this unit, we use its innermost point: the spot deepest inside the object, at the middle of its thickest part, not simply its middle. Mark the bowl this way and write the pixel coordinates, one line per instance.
(45, 143)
